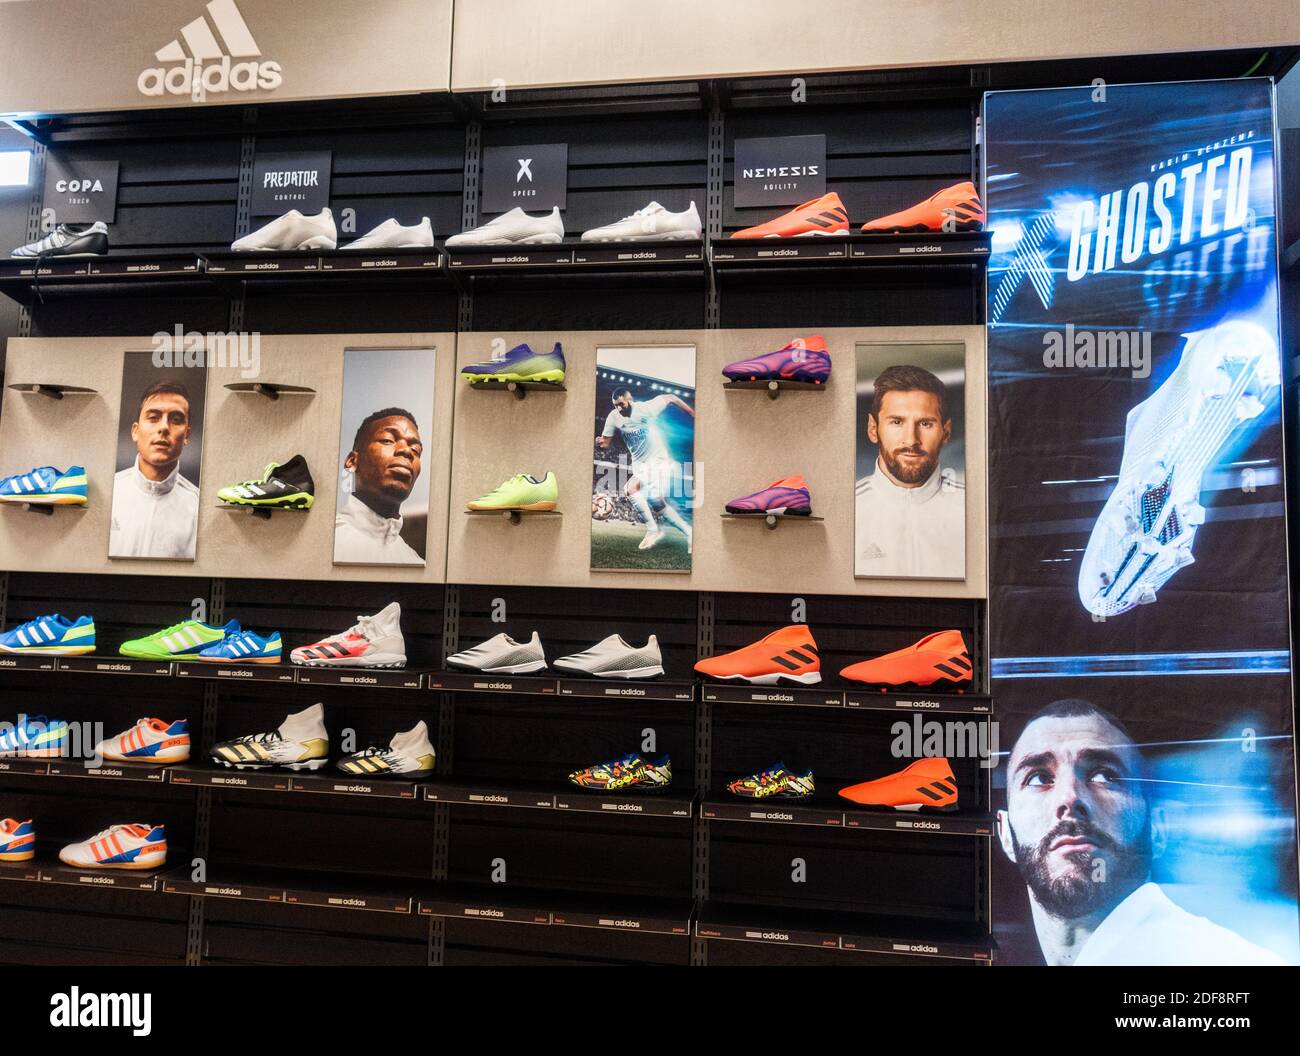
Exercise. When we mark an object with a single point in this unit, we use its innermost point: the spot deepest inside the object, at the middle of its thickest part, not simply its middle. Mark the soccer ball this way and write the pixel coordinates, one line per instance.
(601, 506)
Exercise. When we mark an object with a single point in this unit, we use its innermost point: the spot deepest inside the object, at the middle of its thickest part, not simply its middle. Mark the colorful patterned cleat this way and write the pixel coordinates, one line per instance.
(788, 655)
(631, 773)
(131, 846)
(46, 486)
(821, 216)
(804, 359)
(53, 635)
(955, 208)
(520, 364)
(938, 657)
(17, 841)
(926, 784)
(148, 741)
(33, 738)
(787, 497)
(187, 638)
(409, 754)
(776, 782)
(245, 647)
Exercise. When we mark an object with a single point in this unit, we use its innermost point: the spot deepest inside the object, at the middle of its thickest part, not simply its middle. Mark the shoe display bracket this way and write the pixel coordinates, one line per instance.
(773, 387)
(52, 391)
(272, 390)
(771, 520)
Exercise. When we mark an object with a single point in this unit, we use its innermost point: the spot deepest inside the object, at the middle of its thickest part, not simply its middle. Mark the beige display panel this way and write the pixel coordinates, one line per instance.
(242, 433)
(527, 44)
(743, 441)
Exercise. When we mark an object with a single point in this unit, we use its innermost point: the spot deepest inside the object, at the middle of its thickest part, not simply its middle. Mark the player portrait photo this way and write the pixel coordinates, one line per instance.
(159, 455)
(910, 479)
(1091, 827)
(382, 514)
(643, 479)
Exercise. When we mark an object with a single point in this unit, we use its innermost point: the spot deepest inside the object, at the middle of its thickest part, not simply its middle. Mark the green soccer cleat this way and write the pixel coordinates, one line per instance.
(287, 487)
(186, 638)
(521, 493)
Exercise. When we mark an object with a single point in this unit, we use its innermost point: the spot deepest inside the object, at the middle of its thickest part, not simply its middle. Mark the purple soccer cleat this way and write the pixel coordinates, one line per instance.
(803, 359)
(787, 497)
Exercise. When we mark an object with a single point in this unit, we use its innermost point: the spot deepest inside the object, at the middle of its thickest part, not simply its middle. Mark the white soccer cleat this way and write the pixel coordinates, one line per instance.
(291, 231)
(654, 223)
(651, 538)
(614, 658)
(301, 743)
(502, 655)
(513, 228)
(1226, 375)
(132, 846)
(392, 235)
(148, 741)
(409, 754)
(374, 641)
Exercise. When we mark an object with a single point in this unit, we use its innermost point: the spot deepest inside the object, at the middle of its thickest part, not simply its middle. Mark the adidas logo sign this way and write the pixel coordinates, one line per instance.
(209, 67)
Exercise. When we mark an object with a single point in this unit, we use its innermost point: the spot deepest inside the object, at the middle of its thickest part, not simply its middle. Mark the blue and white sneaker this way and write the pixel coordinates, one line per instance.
(46, 486)
(1226, 376)
(245, 647)
(51, 636)
(520, 364)
(33, 737)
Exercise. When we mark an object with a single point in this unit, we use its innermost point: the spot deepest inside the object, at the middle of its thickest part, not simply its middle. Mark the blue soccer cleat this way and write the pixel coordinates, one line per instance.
(46, 486)
(51, 636)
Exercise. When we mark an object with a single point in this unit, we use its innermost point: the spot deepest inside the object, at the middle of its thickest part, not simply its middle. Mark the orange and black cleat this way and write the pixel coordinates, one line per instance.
(822, 216)
(789, 654)
(927, 784)
(938, 657)
(955, 208)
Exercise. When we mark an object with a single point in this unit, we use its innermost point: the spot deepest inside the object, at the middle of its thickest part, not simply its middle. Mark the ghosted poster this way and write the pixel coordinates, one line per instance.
(1138, 608)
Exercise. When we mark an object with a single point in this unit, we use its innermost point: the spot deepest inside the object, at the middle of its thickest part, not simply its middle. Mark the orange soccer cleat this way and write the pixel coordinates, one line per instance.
(789, 654)
(938, 657)
(926, 784)
(822, 216)
(959, 204)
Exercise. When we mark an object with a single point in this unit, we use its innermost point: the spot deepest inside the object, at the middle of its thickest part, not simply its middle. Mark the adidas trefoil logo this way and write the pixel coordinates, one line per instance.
(209, 67)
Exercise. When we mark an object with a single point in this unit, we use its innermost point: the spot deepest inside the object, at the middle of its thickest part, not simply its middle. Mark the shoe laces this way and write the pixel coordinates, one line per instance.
(170, 630)
(366, 627)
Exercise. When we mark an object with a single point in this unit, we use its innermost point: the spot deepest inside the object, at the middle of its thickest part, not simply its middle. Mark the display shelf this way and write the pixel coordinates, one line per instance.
(922, 700)
(220, 883)
(487, 793)
(469, 259)
(45, 509)
(778, 251)
(468, 682)
(919, 822)
(120, 665)
(303, 269)
(360, 677)
(213, 776)
(121, 879)
(672, 804)
(337, 783)
(504, 904)
(77, 768)
(271, 390)
(413, 261)
(28, 872)
(50, 390)
(31, 767)
(519, 389)
(853, 932)
(262, 513)
(822, 814)
(739, 693)
(906, 248)
(27, 281)
(774, 387)
(669, 252)
(514, 516)
(236, 672)
(19, 662)
(627, 689)
(303, 264)
(772, 521)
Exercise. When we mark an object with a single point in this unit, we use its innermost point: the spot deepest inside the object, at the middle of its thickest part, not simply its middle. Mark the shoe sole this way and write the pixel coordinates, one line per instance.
(629, 674)
(238, 660)
(348, 661)
(909, 808)
(136, 866)
(273, 504)
(17, 856)
(510, 669)
(315, 242)
(811, 678)
(531, 240)
(45, 500)
(673, 236)
(776, 511)
(310, 764)
(550, 377)
(54, 650)
(161, 760)
(923, 229)
(645, 790)
(480, 508)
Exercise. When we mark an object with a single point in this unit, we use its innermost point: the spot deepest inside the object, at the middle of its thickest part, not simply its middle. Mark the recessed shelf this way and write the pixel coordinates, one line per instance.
(772, 520)
(272, 390)
(51, 390)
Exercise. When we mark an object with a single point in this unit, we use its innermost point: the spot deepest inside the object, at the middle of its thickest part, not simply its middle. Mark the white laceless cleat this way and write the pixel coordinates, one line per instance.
(1226, 376)
(408, 754)
(392, 235)
(301, 743)
(513, 228)
(654, 223)
(291, 231)
(374, 641)
(615, 658)
(502, 655)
